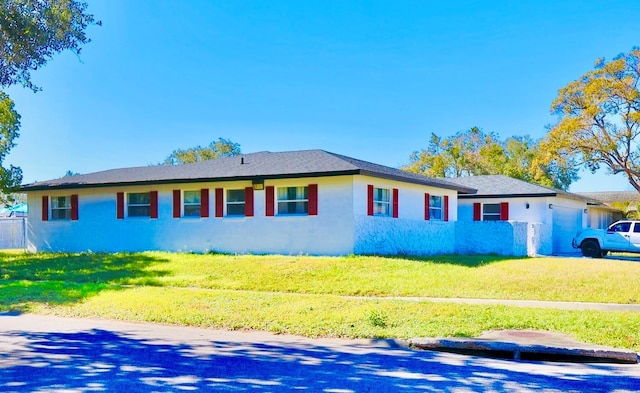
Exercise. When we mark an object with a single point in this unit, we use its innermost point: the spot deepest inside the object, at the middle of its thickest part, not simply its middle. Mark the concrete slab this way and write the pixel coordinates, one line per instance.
(528, 345)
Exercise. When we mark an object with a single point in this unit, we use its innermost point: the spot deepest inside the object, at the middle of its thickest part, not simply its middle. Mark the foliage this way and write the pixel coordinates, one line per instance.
(474, 152)
(216, 149)
(599, 118)
(31, 32)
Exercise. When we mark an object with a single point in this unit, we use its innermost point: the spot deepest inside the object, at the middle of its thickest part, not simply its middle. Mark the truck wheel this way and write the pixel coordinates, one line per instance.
(591, 249)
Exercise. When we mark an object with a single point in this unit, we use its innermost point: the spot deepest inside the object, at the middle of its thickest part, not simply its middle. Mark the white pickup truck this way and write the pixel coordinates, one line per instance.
(621, 236)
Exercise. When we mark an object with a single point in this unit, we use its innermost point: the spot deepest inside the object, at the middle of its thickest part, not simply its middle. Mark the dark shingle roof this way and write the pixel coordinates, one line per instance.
(493, 186)
(265, 165)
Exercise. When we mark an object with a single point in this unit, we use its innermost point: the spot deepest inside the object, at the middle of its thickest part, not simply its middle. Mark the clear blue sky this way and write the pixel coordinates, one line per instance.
(368, 79)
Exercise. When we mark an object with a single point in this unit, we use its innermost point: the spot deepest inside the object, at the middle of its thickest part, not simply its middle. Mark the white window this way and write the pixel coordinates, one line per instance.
(381, 202)
(435, 208)
(191, 204)
(293, 200)
(491, 212)
(138, 204)
(235, 202)
(61, 208)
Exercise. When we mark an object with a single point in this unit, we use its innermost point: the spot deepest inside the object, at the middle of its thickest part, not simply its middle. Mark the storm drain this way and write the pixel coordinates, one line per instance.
(525, 350)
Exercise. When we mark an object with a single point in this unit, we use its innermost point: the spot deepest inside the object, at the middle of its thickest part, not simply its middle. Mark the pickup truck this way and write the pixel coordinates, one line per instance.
(621, 236)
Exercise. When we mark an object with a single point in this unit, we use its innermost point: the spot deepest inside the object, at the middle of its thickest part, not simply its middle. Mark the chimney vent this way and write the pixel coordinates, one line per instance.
(241, 160)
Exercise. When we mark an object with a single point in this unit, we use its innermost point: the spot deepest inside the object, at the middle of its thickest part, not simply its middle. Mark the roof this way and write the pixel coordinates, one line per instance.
(613, 196)
(261, 165)
(500, 186)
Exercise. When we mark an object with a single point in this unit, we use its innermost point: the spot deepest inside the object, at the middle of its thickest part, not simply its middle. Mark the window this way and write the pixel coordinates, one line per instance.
(191, 205)
(61, 208)
(381, 202)
(293, 200)
(435, 208)
(138, 204)
(620, 227)
(491, 212)
(235, 202)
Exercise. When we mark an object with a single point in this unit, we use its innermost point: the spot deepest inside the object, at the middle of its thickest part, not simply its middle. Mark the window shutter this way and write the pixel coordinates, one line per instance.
(504, 211)
(370, 200)
(219, 202)
(269, 200)
(74, 207)
(248, 201)
(477, 211)
(313, 199)
(446, 207)
(395, 203)
(153, 208)
(45, 208)
(120, 205)
(427, 199)
(204, 203)
(176, 203)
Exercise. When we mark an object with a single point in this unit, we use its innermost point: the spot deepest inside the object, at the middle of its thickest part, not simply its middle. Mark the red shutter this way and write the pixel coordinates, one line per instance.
(177, 203)
(204, 203)
(74, 207)
(504, 211)
(153, 208)
(394, 213)
(120, 205)
(45, 208)
(219, 202)
(370, 200)
(269, 201)
(248, 201)
(427, 200)
(313, 199)
(477, 211)
(446, 207)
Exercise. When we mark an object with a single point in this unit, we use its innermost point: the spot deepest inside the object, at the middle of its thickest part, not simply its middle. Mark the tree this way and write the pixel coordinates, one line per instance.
(599, 119)
(31, 32)
(216, 149)
(473, 152)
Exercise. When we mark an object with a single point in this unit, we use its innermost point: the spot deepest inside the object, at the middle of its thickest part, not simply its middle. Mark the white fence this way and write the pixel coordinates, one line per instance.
(13, 233)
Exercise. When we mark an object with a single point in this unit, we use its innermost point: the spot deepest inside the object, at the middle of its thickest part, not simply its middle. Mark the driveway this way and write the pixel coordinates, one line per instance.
(50, 354)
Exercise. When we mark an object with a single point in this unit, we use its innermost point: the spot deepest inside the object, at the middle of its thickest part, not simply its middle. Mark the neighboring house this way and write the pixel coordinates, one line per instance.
(310, 202)
(559, 213)
(627, 201)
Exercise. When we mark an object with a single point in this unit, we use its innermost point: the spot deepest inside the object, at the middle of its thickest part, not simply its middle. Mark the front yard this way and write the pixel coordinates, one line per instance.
(305, 295)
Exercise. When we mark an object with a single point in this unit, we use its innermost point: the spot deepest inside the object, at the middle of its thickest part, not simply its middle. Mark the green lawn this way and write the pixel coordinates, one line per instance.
(301, 295)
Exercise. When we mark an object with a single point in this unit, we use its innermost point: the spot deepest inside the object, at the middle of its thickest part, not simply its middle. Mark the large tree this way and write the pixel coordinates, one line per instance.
(474, 152)
(599, 119)
(31, 32)
(216, 149)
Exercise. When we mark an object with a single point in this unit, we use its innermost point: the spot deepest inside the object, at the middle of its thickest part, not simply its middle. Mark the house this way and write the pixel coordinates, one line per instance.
(558, 214)
(310, 202)
(627, 201)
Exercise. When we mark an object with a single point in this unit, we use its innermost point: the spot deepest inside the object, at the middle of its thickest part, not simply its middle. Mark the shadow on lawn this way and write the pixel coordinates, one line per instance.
(102, 360)
(60, 278)
(460, 260)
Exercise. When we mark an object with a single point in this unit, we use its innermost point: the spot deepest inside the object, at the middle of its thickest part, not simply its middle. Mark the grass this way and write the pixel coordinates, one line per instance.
(302, 295)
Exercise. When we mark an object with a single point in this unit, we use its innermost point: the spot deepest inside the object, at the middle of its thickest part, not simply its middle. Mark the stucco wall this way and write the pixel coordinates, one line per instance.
(491, 237)
(388, 236)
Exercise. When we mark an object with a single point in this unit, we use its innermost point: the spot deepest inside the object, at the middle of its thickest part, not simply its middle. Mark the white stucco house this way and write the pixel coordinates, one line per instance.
(310, 202)
(557, 215)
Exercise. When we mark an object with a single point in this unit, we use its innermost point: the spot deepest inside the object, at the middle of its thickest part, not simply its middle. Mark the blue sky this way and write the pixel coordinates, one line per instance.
(368, 79)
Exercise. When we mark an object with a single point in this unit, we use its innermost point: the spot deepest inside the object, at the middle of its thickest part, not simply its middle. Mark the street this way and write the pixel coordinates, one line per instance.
(51, 354)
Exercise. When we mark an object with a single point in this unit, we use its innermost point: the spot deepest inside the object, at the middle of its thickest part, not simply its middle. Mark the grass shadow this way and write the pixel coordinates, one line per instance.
(63, 278)
(475, 260)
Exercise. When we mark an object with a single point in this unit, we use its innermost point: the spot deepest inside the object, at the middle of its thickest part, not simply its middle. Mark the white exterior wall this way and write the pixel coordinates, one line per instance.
(328, 233)
(410, 233)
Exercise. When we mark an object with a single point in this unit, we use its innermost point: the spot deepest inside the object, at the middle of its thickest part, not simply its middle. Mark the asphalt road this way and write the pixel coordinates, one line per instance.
(49, 354)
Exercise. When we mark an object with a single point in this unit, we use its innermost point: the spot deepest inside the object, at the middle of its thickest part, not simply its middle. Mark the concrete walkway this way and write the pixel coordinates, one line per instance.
(515, 303)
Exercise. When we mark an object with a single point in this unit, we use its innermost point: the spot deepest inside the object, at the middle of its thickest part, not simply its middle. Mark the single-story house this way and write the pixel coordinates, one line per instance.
(558, 213)
(310, 202)
(627, 201)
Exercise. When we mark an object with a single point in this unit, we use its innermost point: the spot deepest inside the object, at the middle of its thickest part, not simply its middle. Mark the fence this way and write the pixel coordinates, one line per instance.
(13, 233)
